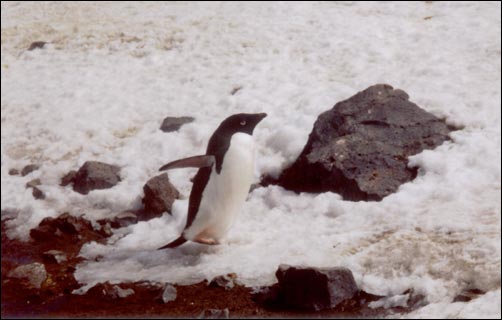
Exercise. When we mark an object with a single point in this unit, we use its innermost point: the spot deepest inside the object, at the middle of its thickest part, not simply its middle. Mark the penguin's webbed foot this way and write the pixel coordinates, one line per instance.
(208, 241)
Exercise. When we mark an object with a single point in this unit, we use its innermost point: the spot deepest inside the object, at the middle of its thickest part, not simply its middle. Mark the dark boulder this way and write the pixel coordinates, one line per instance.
(95, 175)
(309, 288)
(171, 124)
(360, 147)
(159, 197)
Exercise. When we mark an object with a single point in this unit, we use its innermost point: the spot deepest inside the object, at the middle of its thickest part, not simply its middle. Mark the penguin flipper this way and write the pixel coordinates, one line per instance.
(175, 243)
(191, 162)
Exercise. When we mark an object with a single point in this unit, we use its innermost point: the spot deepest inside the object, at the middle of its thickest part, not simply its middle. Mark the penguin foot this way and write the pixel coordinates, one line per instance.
(208, 241)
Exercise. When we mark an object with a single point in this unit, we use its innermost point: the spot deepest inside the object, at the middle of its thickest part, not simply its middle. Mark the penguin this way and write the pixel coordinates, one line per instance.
(222, 182)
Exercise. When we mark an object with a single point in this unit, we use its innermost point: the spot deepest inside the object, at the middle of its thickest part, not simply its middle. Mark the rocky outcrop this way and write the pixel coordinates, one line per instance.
(360, 147)
(95, 175)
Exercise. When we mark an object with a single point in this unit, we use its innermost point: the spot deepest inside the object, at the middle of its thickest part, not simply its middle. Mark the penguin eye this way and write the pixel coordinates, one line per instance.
(243, 122)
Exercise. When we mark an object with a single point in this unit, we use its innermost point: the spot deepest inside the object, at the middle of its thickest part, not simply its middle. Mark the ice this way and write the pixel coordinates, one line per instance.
(111, 72)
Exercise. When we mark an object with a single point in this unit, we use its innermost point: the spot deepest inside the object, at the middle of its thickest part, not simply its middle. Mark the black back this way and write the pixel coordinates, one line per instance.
(217, 147)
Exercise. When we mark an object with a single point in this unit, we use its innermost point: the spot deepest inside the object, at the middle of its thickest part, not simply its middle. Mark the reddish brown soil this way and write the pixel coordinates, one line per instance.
(55, 299)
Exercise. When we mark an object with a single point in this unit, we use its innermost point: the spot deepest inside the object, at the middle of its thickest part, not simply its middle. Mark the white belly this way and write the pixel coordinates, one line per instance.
(226, 192)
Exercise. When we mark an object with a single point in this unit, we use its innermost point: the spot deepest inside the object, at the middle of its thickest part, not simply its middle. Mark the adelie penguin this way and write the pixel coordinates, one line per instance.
(222, 183)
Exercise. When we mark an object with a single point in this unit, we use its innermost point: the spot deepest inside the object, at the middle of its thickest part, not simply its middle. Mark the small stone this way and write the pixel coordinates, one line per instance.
(214, 314)
(122, 293)
(124, 219)
(36, 45)
(171, 124)
(54, 256)
(468, 294)
(38, 194)
(235, 90)
(109, 291)
(225, 281)
(34, 273)
(13, 172)
(29, 168)
(33, 183)
(169, 293)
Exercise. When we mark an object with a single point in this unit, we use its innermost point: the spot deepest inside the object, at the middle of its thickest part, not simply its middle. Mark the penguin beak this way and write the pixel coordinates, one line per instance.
(260, 116)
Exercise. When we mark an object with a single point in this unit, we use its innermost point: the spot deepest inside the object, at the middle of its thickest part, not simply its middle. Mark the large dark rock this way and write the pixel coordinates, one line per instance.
(95, 175)
(360, 147)
(309, 288)
(315, 289)
(159, 197)
(174, 123)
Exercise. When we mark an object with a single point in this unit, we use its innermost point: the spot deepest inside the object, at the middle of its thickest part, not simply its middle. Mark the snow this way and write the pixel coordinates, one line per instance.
(113, 70)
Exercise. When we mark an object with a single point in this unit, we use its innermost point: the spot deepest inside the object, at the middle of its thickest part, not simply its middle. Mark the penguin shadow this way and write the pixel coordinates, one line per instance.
(190, 254)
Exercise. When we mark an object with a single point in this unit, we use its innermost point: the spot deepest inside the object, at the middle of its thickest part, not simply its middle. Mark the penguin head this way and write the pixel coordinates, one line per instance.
(241, 122)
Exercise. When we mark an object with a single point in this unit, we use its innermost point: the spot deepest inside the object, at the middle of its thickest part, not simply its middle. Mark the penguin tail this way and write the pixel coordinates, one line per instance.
(175, 243)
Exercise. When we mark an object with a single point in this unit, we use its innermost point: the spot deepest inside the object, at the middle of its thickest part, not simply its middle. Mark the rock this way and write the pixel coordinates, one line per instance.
(36, 45)
(95, 175)
(65, 224)
(235, 90)
(227, 281)
(468, 294)
(124, 219)
(13, 172)
(159, 197)
(29, 168)
(34, 273)
(169, 293)
(110, 291)
(360, 147)
(36, 192)
(309, 288)
(214, 314)
(33, 183)
(68, 178)
(268, 296)
(171, 124)
(54, 256)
